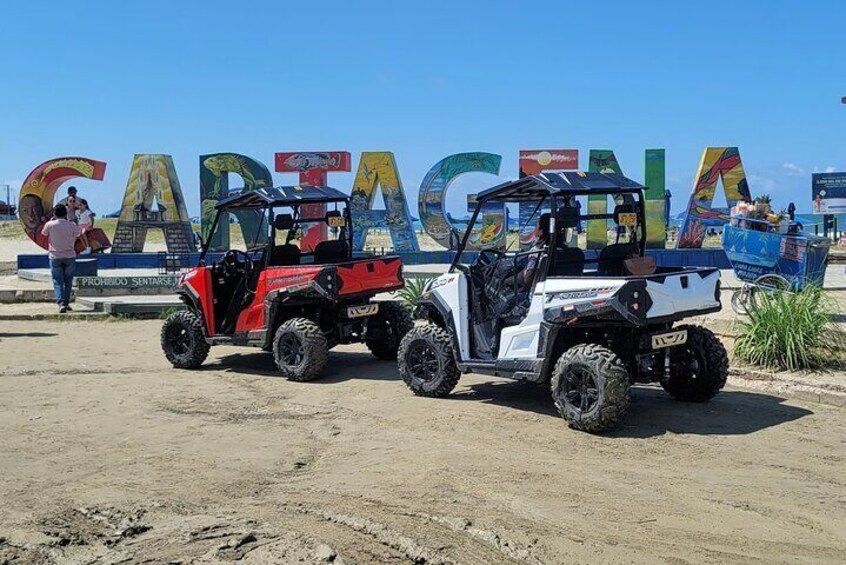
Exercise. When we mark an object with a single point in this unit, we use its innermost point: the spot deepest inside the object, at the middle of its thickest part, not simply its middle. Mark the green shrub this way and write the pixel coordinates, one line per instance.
(792, 331)
(412, 292)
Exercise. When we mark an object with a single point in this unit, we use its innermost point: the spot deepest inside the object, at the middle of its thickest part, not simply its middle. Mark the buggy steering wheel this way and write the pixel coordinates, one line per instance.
(232, 266)
(485, 260)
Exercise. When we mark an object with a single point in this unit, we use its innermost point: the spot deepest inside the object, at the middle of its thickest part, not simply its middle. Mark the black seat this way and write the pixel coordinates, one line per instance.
(287, 254)
(611, 258)
(332, 251)
(568, 262)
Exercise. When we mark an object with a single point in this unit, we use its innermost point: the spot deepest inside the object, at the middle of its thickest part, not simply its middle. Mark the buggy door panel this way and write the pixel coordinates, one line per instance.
(494, 289)
(519, 340)
(252, 317)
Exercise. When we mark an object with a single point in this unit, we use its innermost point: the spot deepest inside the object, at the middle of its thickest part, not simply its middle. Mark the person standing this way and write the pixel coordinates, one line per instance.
(72, 193)
(61, 237)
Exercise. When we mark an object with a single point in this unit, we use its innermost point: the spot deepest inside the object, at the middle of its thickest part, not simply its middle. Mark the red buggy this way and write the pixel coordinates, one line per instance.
(294, 303)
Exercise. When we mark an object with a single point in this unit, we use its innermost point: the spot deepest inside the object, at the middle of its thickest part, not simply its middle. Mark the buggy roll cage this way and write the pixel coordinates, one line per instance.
(264, 200)
(563, 186)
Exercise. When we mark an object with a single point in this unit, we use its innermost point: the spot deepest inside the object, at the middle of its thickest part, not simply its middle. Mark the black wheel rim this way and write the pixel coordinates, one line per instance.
(580, 390)
(422, 362)
(291, 350)
(686, 365)
(179, 339)
(389, 333)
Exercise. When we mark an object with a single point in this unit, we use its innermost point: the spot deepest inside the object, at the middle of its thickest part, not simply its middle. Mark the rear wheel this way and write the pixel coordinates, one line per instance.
(590, 387)
(740, 299)
(300, 349)
(426, 361)
(699, 368)
(183, 341)
(386, 329)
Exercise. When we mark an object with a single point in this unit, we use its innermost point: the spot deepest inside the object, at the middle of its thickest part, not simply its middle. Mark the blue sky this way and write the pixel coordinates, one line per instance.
(425, 79)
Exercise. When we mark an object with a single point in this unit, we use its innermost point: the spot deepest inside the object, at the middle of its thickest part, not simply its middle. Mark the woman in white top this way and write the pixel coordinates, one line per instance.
(85, 220)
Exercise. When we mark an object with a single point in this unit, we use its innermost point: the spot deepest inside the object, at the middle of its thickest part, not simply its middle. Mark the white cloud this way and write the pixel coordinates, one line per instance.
(793, 169)
(761, 183)
(830, 169)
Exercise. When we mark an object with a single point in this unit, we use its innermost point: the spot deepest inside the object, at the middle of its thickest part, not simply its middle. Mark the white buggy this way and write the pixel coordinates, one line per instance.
(590, 324)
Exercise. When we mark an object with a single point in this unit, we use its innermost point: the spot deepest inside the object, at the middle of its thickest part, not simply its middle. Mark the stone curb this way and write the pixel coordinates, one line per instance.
(789, 386)
(70, 316)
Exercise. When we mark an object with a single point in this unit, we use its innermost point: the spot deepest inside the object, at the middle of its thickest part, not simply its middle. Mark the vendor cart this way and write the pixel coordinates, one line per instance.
(770, 258)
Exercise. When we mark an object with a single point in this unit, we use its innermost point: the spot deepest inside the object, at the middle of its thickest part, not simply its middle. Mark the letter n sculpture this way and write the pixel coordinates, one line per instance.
(533, 162)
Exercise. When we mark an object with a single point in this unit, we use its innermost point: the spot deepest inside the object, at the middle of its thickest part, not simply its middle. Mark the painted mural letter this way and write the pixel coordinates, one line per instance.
(532, 162)
(379, 169)
(431, 203)
(717, 163)
(35, 206)
(214, 186)
(313, 167)
(655, 204)
(153, 179)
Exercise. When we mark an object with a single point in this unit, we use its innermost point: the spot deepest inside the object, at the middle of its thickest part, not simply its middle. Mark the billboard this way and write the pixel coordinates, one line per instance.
(828, 192)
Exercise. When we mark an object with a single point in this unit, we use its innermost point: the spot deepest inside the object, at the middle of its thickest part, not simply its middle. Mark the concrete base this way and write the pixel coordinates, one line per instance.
(129, 304)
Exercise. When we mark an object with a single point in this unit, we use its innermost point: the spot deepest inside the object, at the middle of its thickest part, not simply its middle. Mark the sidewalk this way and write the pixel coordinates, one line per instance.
(46, 311)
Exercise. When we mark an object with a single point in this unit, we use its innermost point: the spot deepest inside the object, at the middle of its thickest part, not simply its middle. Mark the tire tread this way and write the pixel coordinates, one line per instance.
(716, 365)
(313, 339)
(612, 377)
(200, 350)
(440, 340)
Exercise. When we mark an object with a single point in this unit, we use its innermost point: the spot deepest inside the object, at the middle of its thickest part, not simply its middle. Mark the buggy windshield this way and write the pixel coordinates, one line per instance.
(289, 234)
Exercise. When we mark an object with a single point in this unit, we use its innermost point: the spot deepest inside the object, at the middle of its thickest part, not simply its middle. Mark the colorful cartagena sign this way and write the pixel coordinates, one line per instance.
(828, 191)
(153, 178)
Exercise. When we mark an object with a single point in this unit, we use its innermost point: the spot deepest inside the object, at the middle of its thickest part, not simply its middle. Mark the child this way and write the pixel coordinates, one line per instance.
(85, 220)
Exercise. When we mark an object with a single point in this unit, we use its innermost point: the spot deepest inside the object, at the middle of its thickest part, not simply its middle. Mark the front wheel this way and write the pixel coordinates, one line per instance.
(427, 362)
(386, 328)
(699, 368)
(183, 341)
(590, 387)
(740, 299)
(300, 350)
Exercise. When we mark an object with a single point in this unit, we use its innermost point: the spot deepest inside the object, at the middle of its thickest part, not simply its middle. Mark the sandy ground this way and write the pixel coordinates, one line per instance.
(114, 457)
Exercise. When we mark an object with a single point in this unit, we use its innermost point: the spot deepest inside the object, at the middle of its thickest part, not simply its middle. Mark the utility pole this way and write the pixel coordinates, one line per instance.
(8, 196)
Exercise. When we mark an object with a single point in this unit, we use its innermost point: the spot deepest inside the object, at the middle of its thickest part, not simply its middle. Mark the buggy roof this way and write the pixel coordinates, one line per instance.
(567, 183)
(283, 196)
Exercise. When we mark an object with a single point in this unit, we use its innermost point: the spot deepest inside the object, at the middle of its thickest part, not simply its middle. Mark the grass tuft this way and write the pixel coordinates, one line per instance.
(792, 331)
(411, 294)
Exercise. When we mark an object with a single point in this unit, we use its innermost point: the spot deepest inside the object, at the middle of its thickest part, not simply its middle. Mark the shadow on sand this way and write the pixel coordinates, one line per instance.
(652, 412)
(342, 366)
(26, 334)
